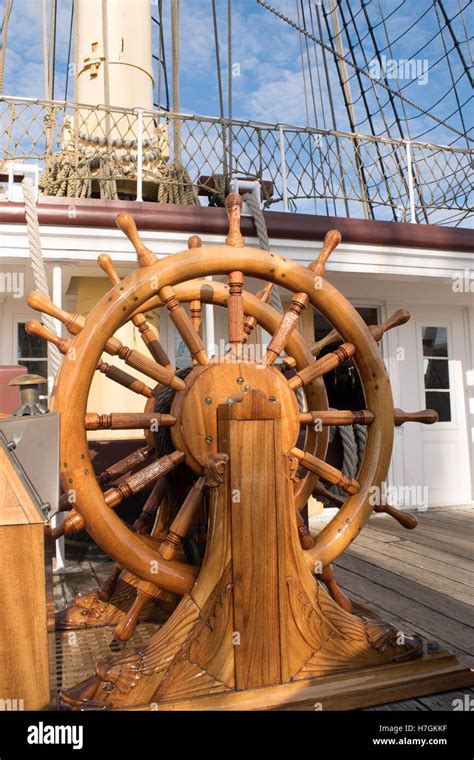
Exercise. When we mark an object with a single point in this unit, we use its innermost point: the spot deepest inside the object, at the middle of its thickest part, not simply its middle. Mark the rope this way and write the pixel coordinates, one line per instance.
(353, 439)
(175, 77)
(219, 87)
(6, 19)
(175, 186)
(45, 49)
(37, 263)
(76, 49)
(340, 57)
(229, 75)
(52, 28)
(262, 234)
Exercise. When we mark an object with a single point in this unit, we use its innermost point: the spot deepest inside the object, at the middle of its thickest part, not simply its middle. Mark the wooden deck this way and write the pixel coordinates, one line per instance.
(419, 580)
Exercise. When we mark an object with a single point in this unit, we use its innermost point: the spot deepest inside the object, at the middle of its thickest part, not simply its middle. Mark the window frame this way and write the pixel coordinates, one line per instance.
(420, 325)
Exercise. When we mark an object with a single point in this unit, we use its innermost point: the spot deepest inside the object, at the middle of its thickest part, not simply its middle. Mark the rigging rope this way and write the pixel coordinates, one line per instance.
(6, 18)
(37, 264)
(342, 58)
(175, 77)
(220, 92)
(263, 239)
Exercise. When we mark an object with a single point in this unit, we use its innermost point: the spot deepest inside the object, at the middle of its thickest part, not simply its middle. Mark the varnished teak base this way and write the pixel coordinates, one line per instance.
(344, 691)
(257, 630)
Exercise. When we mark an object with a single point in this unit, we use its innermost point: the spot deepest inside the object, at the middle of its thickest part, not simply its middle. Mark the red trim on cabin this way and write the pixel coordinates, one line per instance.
(90, 212)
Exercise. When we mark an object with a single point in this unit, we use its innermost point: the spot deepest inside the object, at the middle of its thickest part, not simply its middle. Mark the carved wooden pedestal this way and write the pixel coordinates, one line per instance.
(257, 630)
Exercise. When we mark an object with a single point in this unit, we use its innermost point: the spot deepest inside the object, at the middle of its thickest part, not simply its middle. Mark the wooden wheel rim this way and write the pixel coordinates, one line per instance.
(118, 305)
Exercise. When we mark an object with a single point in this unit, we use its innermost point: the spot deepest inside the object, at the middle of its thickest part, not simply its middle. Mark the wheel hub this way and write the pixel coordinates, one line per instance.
(223, 382)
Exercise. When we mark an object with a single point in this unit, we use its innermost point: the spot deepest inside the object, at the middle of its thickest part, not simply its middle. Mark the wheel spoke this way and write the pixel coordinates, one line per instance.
(300, 300)
(128, 463)
(113, 373)
(339, 417)
(182, 522)
(148, 336)
(183, 324)
(320, 490)
(326, 471)
(126, 223)
(322, 366)
(235, 312)
(327, 577)
(143, 478)
(250, 322)
(128, 421)
(331, 337)
(425, 416)
(76, 322)
(400, 317)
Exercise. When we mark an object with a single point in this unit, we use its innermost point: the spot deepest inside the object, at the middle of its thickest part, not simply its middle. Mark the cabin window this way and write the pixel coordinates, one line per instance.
(436, 371)
(32, 352)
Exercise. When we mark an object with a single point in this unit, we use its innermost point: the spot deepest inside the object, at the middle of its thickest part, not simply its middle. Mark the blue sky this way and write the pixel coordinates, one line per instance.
(270, 83)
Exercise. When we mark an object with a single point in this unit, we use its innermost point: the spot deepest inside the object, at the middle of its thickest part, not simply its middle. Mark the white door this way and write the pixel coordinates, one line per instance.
(442, 370)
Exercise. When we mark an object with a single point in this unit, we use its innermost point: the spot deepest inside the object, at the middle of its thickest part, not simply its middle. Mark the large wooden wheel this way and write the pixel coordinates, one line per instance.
(225, 379)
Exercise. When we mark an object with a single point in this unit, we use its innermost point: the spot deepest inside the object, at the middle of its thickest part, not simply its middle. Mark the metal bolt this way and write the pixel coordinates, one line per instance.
(272, 399)
(240, 380)
(247, 387)
(208, 438)
(208, 400)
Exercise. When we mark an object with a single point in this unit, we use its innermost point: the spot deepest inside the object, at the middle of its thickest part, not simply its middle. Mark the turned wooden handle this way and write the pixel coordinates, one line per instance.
(235, 308)
(127, 420)
(306, 539)
(144, 520)
(326, 471)
(126, 223)
(182, 522)
(233, 204)
(73, 322)
(143, 478)
(300, 300)
(194, 242)
(406, 519)
(400, 317)
(123, 378)
(108, 587)
(320, 490)
(286, 327)
(425, 416)
(183, 324)
(327, 576)
(251, 322)
(143, 364)
(129, 462)
(331, 241)
(73, 523)
(33, 327)
(338, 417)
(318, 346)
(105, 263)
(321, 366)
(125, 628)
